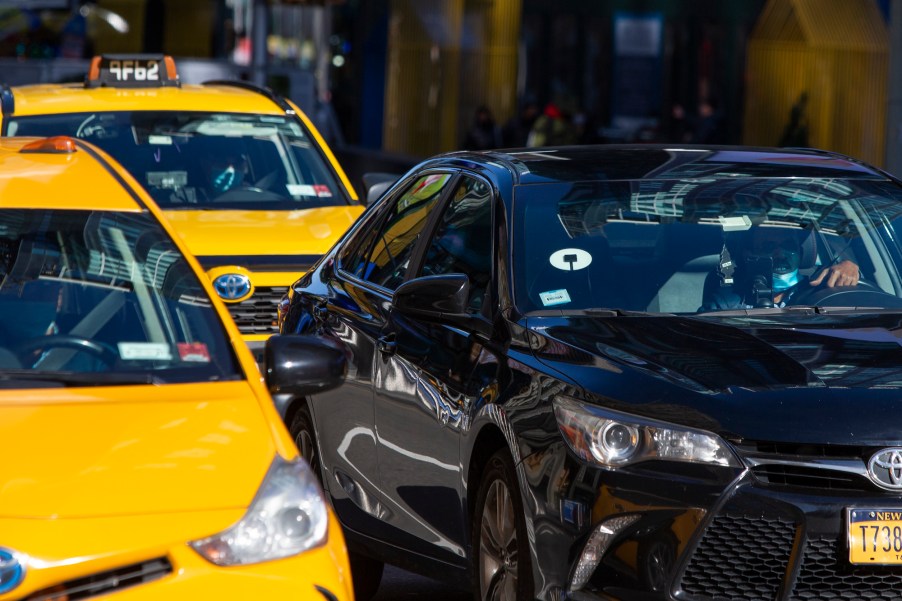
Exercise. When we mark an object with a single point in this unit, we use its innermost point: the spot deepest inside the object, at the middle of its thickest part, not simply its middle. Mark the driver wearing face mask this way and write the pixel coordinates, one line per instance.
(768, 274)
(227, 173)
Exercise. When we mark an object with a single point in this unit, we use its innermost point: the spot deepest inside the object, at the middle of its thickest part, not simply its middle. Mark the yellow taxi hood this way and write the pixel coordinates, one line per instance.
(307, 231)
(116, 451)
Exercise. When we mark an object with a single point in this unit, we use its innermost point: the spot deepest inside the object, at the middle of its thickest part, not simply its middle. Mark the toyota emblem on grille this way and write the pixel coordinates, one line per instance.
(232, 286)
(885, 468)
(12, 570)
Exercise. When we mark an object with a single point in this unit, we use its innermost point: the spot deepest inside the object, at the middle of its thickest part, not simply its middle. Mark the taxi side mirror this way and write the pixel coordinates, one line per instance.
(377, 183)
(301, 365)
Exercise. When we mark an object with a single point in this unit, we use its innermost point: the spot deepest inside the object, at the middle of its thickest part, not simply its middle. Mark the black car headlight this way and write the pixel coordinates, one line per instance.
(287, 517)
(612, 439)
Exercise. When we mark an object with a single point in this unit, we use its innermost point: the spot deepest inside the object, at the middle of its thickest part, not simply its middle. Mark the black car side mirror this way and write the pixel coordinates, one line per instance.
(302, 365)
(434, 296)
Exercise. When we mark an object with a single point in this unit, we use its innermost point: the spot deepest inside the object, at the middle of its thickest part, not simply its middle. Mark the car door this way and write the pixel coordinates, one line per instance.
(421, 381)
(352, 307)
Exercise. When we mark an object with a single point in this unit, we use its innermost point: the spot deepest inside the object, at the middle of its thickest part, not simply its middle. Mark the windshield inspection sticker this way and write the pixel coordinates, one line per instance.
(145, 351)
(570, 259)
(554, 297)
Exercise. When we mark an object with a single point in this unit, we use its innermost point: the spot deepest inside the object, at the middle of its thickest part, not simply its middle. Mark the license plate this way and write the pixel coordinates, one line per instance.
(875, 536)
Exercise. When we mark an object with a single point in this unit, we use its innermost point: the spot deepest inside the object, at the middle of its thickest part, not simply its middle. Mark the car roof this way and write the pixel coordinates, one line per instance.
(43, 99)
(659, 161)
(53, 179)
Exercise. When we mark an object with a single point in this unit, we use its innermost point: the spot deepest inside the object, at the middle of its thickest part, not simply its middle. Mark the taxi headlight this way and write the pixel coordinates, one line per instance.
(612, 439)
(287, 517)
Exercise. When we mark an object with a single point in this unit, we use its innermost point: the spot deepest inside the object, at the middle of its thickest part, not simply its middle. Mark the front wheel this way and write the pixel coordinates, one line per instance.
(366, 573)
(501, 557)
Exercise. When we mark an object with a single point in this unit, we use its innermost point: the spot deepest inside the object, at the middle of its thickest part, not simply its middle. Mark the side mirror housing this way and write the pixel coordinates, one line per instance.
(376, 184)
(434, 296)
(302, 365)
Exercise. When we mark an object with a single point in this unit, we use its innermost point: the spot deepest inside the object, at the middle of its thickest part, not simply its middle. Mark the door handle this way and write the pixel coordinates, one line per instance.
(387, 344)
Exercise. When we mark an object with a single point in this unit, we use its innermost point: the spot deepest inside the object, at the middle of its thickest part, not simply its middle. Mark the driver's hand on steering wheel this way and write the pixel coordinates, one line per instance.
(845, 273)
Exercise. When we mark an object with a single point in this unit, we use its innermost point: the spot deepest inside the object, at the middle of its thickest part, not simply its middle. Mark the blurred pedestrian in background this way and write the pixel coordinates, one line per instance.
(555, 127)
(515, 132)
(484, 133)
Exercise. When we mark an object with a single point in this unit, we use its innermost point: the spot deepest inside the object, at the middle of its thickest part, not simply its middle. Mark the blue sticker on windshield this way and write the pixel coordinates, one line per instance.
(554, 297)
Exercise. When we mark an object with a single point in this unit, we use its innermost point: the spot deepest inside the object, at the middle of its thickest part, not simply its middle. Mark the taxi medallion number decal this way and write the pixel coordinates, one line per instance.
(135, 69)
(875, 536)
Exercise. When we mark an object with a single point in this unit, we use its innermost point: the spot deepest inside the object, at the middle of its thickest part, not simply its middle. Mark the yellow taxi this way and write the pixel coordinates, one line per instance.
(144, 456)
(241, 172)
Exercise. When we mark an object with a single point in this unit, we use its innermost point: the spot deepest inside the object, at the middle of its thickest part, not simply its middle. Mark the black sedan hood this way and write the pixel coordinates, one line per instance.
(821, 378)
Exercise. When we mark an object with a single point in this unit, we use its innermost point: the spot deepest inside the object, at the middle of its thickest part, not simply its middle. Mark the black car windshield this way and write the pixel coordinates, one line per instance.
(208, 161)
(102, 294)
(722, 243)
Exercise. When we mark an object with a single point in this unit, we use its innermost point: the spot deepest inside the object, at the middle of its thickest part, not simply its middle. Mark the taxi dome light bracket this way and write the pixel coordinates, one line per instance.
(132, 71)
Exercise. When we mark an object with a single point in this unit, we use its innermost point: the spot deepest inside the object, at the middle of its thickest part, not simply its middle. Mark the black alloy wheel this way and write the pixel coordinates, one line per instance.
(501, 559)
(366, 572)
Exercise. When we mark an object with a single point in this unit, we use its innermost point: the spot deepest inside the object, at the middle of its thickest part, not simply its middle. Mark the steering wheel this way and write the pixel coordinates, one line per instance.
(864, 294)
(98, 350)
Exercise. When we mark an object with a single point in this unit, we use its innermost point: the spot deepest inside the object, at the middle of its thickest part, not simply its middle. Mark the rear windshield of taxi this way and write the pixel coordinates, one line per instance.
(93, 298)
(206, 160)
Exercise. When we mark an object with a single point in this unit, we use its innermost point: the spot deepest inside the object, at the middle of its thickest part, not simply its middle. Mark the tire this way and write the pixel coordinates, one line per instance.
(366, 573)
(502, 562)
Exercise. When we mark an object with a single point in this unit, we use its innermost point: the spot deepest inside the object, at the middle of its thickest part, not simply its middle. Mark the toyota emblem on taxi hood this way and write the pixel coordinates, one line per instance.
(232, 286)
(885, 468)
(12, 570)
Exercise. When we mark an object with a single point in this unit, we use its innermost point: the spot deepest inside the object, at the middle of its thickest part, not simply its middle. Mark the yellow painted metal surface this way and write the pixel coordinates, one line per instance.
(141, 449)
(46, 99)
(237, 233)
(818, 67)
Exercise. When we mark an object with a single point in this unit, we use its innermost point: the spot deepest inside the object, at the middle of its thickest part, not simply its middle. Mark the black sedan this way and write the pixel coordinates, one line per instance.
(619, 372)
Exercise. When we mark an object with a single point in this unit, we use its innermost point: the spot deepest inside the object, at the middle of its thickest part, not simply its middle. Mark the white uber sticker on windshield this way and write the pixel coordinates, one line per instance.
(555, 297)
(145, 351)
(570, 259)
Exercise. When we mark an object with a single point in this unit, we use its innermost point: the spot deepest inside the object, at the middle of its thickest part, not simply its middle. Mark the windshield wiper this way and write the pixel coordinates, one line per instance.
(73, 378)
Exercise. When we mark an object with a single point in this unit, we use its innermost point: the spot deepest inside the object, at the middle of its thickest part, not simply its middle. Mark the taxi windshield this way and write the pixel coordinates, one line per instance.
(709, 245)
(100, 298)
(205, 160)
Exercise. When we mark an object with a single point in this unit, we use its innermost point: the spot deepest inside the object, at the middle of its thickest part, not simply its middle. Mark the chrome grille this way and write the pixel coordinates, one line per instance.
(105, 582)
(258, 314)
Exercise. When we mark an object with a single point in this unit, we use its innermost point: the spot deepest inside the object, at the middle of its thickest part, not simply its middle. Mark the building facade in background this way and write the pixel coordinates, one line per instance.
(407, 76)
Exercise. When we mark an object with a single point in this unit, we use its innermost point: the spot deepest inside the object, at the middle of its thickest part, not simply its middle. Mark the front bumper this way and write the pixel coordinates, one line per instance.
(169, 571)
(740, 535)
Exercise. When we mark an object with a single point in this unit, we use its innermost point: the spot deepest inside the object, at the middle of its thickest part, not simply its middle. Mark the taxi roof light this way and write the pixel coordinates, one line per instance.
(53, 145)
(132, 71)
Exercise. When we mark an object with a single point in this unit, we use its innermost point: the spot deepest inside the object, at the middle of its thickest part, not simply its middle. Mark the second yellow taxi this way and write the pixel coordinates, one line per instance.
(241, 172)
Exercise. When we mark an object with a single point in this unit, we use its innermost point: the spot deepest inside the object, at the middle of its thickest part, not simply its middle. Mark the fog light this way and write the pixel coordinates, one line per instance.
(596, 547)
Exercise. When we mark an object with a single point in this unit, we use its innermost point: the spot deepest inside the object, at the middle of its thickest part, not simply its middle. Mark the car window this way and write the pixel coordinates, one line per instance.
(672, 246)
(383, 255)
(104, 293)
(462, 242)
(205, 160)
